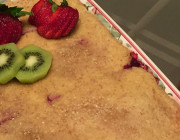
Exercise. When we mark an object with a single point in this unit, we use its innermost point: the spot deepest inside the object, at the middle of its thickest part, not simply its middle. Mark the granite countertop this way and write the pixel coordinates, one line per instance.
(155, 26)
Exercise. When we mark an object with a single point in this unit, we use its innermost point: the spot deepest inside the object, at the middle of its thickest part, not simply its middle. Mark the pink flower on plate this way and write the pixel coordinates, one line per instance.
(157, 79)
(95, 11)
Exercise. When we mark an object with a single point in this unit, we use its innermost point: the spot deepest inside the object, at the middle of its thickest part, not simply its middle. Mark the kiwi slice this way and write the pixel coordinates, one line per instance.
(10, 62)
(38, 62)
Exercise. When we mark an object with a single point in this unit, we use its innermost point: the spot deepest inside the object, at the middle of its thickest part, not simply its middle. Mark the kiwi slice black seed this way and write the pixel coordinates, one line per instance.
(10, 62)
(38, 62)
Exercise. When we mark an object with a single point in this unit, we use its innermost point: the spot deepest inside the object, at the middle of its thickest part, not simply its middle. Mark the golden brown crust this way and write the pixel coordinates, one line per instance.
(99, 100)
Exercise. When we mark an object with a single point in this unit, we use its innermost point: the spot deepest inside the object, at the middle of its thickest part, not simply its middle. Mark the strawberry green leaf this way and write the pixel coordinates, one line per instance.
(64, 3)
(3, 7)
(54, 6)
(13, 11)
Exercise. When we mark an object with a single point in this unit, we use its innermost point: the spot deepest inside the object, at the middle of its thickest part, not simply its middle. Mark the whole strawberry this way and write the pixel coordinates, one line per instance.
(10, 26)
(53, 21)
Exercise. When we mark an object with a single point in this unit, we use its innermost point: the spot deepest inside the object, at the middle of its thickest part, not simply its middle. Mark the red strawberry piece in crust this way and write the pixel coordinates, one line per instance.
(52, 97)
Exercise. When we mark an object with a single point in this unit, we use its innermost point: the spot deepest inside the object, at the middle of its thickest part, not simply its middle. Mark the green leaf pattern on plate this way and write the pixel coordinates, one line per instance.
(170, 94)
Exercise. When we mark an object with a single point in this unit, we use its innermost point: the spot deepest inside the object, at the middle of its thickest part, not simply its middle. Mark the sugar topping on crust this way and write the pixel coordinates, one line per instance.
(97, 98)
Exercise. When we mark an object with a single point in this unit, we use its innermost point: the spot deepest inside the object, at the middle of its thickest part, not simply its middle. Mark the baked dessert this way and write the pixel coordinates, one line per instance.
(87, 94)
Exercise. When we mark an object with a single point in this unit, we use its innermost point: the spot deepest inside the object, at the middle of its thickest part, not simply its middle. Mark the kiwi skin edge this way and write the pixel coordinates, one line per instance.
(18, 60)
(30, 76)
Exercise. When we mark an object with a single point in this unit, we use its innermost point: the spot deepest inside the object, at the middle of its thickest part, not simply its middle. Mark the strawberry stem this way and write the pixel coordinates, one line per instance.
(55, 6)
(64, 3)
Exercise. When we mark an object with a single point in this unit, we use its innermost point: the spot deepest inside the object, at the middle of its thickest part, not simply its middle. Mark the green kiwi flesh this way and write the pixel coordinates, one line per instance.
(38, 62)
(10, 62)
